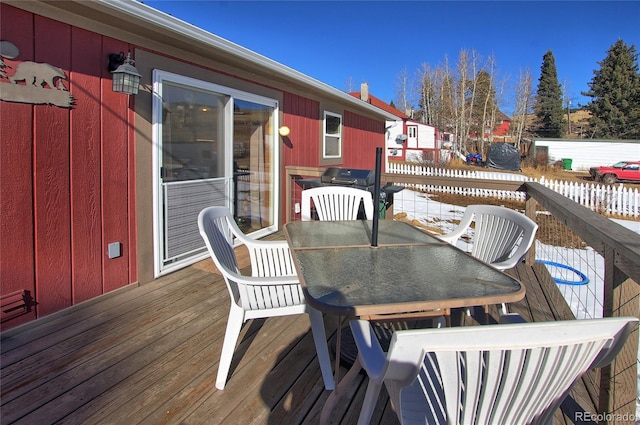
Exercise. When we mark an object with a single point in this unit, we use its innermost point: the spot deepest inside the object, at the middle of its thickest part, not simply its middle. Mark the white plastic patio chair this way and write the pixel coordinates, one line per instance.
(501, 236)
(335, 203)
(273, 289)
(494, 374)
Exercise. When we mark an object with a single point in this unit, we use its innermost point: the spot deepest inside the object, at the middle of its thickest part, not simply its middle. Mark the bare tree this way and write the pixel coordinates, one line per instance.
(448, 98)
(489, 101)
(459, 101)
(349, 85)
(472, 97)
(443, 100)
(403, 87)
(427, 94)
(437, 97)
(465, 78)
(524, 104)
(500, 86)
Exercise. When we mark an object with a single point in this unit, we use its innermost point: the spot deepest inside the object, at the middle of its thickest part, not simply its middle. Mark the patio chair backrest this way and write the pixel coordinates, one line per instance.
(501, 236)
(218, 237)
(497, 374)
(333, 203)
(268, 259)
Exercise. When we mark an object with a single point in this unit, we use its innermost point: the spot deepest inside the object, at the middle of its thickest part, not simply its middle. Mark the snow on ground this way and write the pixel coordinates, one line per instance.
(585, 300)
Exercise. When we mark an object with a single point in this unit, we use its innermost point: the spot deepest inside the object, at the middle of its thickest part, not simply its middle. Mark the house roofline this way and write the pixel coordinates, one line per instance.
(140, 19)
(398, 114)
(154, 16)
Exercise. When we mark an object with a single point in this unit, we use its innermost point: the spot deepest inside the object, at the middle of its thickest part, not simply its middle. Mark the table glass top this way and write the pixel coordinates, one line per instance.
(398, 274)
(355, 232)
(342, 273)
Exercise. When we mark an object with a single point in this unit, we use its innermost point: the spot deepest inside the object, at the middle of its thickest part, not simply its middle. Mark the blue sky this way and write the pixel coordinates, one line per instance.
(350, 42)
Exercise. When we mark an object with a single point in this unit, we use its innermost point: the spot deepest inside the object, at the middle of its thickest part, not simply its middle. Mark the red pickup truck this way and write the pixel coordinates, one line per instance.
(624, 171)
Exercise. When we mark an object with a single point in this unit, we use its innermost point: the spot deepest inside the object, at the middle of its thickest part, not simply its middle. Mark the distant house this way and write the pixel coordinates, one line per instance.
(500, 130)
(407, 139)
(503, 124)
(584, 153)
(101, 190)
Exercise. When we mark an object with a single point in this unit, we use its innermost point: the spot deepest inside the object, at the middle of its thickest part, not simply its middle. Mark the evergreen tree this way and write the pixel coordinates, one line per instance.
(550, 120)
(615, 94)
(485, 104)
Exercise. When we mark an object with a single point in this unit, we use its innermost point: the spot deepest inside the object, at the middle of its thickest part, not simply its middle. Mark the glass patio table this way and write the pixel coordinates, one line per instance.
(409, 273)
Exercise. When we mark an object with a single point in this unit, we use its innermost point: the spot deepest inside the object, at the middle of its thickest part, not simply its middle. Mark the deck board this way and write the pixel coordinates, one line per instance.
(149, 355)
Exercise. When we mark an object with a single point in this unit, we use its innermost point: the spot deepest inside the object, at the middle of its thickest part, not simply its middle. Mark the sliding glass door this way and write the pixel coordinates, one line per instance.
(214, 146)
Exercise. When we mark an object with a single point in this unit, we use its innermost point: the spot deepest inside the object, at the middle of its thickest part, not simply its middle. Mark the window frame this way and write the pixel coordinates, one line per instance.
(326, 135)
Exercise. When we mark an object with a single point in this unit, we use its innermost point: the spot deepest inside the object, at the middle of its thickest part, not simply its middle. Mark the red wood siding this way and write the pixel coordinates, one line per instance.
(301, 115)
(86, 243)
(361, 136)
(115, 131)
(16, 176)
(67, 173)
(52, 41)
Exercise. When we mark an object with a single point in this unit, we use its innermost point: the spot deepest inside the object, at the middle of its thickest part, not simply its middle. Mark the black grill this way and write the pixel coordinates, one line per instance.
(360, 179)
(348, 177)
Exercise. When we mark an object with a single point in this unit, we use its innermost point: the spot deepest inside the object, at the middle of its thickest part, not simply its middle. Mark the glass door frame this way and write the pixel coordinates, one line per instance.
(159, 77)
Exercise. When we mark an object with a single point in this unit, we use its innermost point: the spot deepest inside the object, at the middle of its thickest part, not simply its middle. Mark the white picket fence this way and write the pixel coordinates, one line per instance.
(619, 200)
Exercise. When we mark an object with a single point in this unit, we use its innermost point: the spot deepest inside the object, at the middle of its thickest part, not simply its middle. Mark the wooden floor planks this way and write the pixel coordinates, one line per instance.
(149, 355)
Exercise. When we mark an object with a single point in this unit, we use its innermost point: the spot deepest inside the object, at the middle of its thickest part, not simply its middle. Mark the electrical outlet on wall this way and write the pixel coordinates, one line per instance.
(114, 250)
(297, 207)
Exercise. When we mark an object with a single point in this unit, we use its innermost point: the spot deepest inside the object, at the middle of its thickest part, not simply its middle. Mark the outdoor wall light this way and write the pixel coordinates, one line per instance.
(126, 78)
(284, 131)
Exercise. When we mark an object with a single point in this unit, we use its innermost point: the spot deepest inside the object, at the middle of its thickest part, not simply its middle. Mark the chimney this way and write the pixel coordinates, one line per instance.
(364, 92)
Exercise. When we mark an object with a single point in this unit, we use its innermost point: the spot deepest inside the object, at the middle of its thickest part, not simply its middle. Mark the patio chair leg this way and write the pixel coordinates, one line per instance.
(234, 325)
(369, 403)
(320, 340)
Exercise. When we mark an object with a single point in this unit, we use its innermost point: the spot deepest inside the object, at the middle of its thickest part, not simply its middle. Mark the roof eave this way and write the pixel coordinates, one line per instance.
(148, 16)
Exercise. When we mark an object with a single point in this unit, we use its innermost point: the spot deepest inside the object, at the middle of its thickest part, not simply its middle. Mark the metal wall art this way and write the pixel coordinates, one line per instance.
(31, 82)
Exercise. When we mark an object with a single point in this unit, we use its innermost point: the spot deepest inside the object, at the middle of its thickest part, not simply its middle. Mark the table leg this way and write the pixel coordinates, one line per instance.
(336, 372)
(333, 398)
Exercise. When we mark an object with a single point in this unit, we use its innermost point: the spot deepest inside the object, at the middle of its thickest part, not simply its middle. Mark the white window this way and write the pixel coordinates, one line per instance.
(332, 140)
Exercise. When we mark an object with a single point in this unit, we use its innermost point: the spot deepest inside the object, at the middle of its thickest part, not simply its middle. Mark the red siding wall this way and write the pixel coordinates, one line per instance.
(17, 269)
(360, 137)
(301, 115)
(66, 174)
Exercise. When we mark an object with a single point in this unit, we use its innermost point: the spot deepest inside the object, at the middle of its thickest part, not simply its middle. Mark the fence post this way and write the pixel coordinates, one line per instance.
(530, 207)
(618, 381)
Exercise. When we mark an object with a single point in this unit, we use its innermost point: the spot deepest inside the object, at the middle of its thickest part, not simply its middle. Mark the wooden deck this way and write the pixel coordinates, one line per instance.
(149, 355)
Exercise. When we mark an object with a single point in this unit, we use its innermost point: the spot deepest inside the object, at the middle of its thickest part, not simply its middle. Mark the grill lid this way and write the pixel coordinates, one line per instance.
(348, 176)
